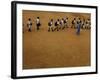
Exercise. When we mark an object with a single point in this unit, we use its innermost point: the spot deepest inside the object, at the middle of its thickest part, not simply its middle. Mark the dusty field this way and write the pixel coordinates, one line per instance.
(43, 49)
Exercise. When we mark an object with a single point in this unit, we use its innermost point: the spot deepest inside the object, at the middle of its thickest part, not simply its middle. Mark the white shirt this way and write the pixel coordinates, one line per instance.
(29, 24)
(37, 21)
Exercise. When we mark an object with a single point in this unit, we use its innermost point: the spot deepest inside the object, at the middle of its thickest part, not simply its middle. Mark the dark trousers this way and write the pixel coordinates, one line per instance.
(37, 27)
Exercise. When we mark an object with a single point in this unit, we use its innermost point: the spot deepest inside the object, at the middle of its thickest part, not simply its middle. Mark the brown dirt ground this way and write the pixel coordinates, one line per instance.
(43, 49)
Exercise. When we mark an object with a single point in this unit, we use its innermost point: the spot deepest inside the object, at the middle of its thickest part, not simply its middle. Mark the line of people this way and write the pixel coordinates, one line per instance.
(58, 24)
(61, 24)
(80, 24)
(85, 23)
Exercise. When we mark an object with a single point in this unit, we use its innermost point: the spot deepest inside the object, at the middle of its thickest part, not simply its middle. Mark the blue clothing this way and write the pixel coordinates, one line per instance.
(78, 28)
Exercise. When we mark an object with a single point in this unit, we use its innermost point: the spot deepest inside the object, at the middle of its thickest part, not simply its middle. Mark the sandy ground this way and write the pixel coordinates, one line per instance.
(43, 49)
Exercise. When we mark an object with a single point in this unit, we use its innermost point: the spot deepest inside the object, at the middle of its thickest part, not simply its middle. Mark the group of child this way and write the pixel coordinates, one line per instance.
(77, 23)
(29, 24)
(81, 24)
(58, 24)
(85, 24)
(61, 24)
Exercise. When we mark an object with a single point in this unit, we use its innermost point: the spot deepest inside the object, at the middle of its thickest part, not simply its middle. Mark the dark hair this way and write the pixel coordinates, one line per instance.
(66, 17)
(51, 19)
(29, 19)
(38, 17)
(57, 19)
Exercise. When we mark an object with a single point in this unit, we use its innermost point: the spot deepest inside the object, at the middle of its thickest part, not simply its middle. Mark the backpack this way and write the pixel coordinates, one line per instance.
(72, 21)
(56, 24)
(49, 24)
(64, 21)
(30, 23)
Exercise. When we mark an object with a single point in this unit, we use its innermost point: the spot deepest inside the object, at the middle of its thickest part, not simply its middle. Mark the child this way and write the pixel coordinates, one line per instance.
(73, 23)
(57, 24)
(83, 24)
(38, 23)
(50, 24)
(78, 27)
(61, 23)
(88, 24)
(80, 22)
(66, 22)
(29, 25)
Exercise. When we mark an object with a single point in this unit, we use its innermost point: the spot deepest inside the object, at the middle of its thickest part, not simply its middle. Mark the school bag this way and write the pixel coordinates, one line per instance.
(30, 23)
(56, 24)
(38, 24)
(64, 21)
(72, 21)
(49, 24)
